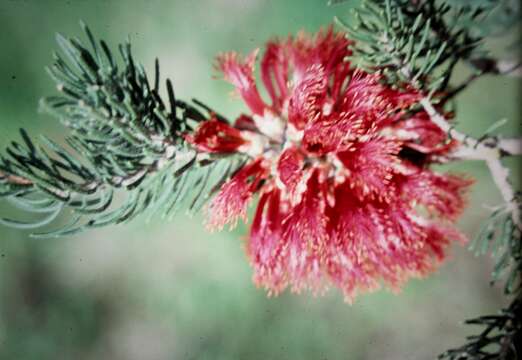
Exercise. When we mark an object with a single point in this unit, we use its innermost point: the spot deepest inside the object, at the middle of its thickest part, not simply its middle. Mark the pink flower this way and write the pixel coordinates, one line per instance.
(341, 166)
(216, 136)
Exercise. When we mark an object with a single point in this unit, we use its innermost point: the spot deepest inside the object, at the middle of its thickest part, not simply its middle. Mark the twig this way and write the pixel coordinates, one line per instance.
(509, 68)
(13, 179)
(455, 91)
(488, 149)
(487, 66)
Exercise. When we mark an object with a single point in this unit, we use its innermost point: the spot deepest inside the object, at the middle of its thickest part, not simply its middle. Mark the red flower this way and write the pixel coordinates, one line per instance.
(342, 170)
(216, 136)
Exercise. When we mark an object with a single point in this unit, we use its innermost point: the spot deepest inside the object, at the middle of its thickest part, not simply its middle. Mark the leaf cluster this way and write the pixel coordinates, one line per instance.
(501, 337)
(125, 152)
(500, 237)
(419, 43)
(416, 42)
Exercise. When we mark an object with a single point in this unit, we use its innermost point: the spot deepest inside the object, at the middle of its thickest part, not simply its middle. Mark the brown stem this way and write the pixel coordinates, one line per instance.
(13, 179)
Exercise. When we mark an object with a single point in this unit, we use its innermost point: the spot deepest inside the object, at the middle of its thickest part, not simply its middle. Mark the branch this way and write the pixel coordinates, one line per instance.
(487, 65)
(126, 139)
(500, 337)
(418, 43)
(478, 149)
(511, 146)
(489, 149)
(13, 179)
(462, 86)
(484, 66)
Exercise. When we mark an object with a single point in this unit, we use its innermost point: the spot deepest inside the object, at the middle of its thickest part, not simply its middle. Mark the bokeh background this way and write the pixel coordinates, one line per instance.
(171, 290)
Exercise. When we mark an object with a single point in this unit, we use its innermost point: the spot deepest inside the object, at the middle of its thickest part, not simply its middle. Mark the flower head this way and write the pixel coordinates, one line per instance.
(341, 165)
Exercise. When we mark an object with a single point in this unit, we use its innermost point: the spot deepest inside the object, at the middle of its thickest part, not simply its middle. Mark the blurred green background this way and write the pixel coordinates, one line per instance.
(171, 290)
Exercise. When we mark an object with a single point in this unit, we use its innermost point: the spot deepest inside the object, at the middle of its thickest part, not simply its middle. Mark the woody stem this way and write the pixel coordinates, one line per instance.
(489, 149)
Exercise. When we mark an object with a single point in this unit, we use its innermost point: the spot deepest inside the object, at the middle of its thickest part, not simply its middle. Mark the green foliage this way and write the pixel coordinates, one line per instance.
(419, 43)
(501, 237)
(501, 337)
(502, 15)
(416, 42)
(502, 333)
(125, 154)
(123, 140)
